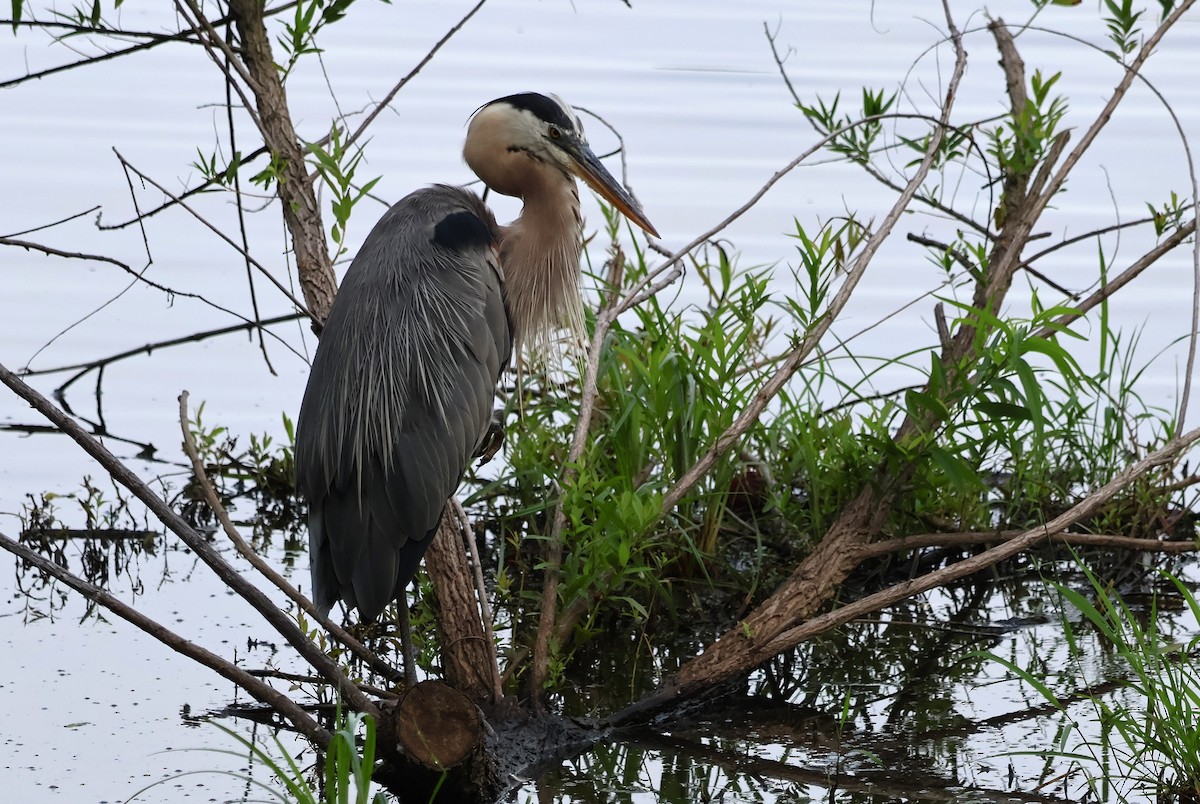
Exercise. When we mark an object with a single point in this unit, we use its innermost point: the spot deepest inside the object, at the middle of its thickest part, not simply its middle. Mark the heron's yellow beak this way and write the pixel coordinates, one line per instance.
(588, 167)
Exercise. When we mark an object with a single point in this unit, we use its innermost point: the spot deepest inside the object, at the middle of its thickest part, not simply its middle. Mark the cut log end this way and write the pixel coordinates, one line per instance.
(437, 726)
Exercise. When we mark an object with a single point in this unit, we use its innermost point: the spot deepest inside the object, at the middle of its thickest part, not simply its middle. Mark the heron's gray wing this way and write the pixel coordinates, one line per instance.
(400, 393)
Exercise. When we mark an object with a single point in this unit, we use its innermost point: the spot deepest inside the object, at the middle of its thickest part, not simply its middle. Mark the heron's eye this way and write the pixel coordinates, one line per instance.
(555, 132)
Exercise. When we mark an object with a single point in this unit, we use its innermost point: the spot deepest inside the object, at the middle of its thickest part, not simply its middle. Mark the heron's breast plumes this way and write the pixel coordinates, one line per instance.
(540, 254)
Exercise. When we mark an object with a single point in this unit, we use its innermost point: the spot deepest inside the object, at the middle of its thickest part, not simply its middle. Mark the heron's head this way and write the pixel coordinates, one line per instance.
(517, 141)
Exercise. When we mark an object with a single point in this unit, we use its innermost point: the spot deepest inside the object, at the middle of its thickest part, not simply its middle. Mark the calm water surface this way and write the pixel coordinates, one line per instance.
(705, 118)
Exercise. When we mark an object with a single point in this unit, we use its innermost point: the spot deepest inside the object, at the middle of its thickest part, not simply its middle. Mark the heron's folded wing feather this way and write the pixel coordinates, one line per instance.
(400, 392)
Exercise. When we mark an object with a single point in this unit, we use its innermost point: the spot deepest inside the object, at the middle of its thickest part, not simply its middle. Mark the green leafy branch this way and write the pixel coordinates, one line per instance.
(336, 164)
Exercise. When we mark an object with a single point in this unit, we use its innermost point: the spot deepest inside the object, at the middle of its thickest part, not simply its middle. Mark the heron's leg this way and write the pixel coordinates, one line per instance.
(493, 439)
(406, 644)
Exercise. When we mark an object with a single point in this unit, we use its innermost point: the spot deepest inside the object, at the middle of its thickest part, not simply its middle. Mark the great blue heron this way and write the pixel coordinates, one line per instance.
(402, 385)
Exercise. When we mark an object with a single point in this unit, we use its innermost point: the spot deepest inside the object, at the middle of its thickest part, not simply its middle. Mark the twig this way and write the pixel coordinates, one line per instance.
(620, 145)
(52, 224)
(83, 369)
(138, 276)
(158, 39)
(1119, 92)
(261, 691)
(231, 129)
(62, 68)
(173, 200)
(965, 262)
(667, 272)
(294, 188)
(1124, 278)
(287, 293)
(370, 689)
(387, 99)
(214, 43)
(870, 169)
(762, 398)
(256, 561)
(1133, 70)
(51, 251)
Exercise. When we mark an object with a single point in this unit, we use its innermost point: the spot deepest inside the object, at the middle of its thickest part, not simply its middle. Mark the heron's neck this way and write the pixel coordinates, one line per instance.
(540, 254)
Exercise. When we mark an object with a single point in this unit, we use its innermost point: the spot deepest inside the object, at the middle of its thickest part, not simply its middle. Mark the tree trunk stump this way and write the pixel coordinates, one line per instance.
(434, 737)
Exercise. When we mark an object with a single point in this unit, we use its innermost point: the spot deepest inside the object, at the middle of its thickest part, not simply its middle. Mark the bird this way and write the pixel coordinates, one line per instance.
(428, 316)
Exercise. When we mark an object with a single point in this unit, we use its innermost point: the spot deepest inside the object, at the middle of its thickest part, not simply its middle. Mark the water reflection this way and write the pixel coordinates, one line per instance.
(111, 546)
(900, 706)
(904, 706)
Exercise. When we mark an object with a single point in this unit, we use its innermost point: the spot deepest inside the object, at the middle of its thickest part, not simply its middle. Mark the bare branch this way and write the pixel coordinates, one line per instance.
(387, 99)
(82, 369)
(1131, 72)
(287, 293)
(755, 650)
(214, 43)
(261, 691)
(52, 224)
(62, 68)
(176, 199)
(256, 561)
(230, 576)
(231, 131)
(668, 272)
(297, 196)
(966, 263)
(870, 169)
(139, 277)
(749, 416)
(1168, 244)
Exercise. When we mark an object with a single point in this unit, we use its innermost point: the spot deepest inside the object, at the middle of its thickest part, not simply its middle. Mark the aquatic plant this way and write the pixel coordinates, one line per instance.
(1145, 736)
(345, 776)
